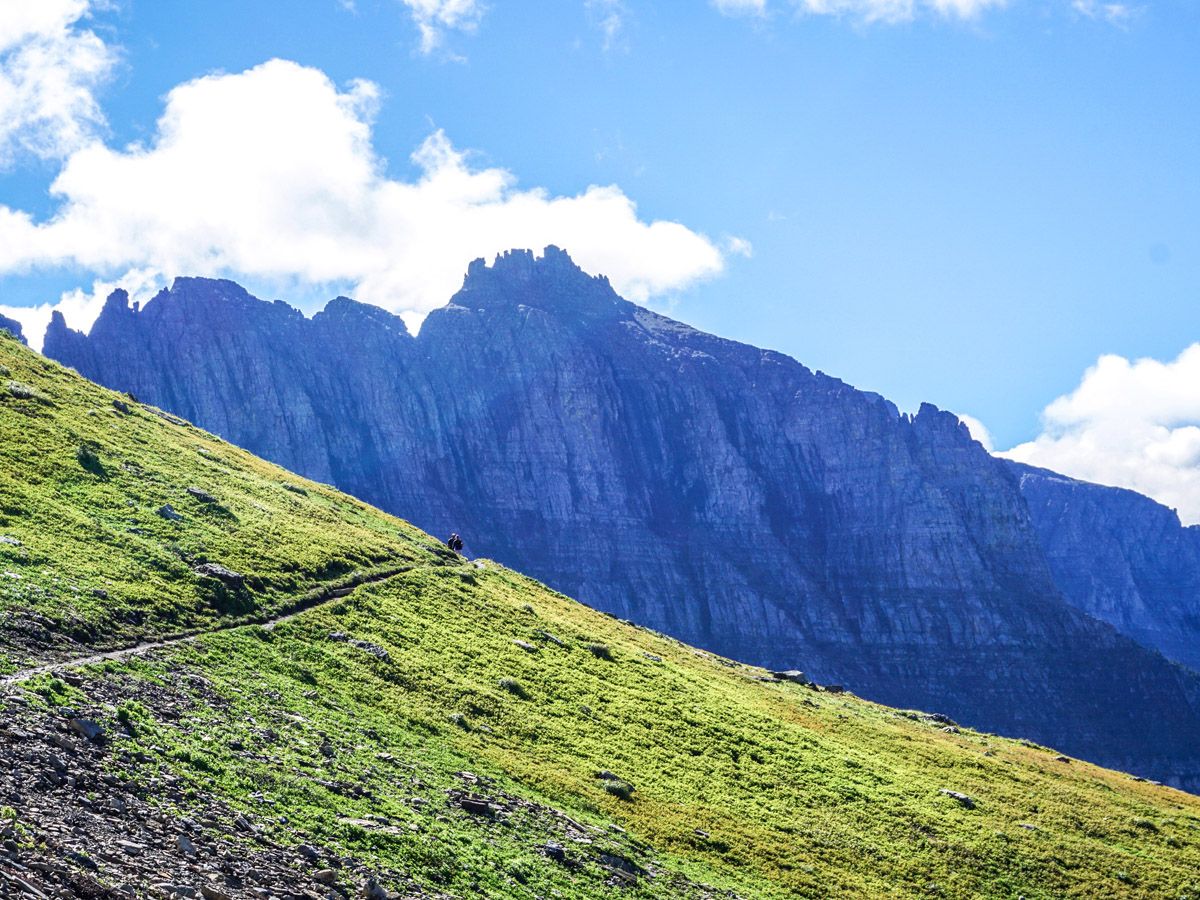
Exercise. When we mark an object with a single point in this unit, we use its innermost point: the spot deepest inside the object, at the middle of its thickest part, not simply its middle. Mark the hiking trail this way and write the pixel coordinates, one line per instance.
(312, 600)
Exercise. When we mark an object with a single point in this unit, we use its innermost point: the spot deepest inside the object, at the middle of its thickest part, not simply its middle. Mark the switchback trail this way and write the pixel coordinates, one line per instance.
(311, 600)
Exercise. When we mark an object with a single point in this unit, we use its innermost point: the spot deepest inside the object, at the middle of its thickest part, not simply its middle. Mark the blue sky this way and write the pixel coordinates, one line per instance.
(967, 206)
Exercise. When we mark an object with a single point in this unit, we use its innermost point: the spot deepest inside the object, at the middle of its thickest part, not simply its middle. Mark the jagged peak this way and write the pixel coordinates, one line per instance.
(60, 341)
(58, 328)
(522, 263)
(190, 286)
(116, 306)
(117, 301)
(343, 309)
(202, 290)
(932, 419)
(552, 280)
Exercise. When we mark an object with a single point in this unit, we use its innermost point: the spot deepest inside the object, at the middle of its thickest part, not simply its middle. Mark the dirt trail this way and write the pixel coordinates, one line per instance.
(301, 605)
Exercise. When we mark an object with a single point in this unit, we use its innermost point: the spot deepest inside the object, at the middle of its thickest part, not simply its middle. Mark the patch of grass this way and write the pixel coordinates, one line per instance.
(53, 693)
(133, 715)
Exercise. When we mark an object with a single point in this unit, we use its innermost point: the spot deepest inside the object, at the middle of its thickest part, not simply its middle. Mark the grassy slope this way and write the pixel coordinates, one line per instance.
(99, 564)
(768, 789)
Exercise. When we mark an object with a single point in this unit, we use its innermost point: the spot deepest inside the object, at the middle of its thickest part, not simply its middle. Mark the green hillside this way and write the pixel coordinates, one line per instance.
(108, 507)
(455, 729)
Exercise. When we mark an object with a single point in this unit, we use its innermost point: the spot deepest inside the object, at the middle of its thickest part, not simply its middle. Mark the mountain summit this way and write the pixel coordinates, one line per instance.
(723, 494)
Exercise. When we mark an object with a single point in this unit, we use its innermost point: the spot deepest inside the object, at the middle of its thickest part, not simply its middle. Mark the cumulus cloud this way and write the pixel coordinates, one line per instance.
(434, 18)
(1133, 424)
(50, 66)
(270, 174)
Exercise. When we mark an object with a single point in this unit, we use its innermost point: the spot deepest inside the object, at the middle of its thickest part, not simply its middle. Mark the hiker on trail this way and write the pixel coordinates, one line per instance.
(455, 543)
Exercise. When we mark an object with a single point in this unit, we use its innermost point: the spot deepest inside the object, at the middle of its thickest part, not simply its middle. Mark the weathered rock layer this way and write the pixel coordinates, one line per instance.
(1120, 557)
(721, 493)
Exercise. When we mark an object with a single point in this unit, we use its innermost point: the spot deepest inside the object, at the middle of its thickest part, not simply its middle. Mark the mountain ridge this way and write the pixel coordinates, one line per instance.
(718, 492)
(1120, 557)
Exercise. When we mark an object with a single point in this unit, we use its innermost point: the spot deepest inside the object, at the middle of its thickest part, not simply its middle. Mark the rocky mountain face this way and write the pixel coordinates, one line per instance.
(723, 494)
(1120, 557)
(13, 327)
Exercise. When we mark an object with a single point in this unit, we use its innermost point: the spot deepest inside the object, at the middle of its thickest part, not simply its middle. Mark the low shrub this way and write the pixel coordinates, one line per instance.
(130, 713)
(514, 687)
(600, 651)
(622, 790)
(89, 459)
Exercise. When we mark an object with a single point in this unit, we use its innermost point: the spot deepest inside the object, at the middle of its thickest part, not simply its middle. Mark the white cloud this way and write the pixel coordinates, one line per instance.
(609, 17)
(50, 67)
(1113, 13)
(978, 431)
(1129, 424)
(897, 11)
(869, 11)
(434, 18)
(964, 9)
(270, 175)
(739, 246)
(741, 7)
(892, 11)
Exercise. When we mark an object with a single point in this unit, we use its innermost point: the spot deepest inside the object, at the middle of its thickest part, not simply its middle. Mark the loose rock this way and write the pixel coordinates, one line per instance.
(963, 799)
(218, 571)
(87, 729)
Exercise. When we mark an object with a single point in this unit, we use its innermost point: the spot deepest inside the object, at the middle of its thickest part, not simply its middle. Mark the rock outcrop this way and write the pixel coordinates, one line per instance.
(718, 492)
(1120, 557)
(13, 327)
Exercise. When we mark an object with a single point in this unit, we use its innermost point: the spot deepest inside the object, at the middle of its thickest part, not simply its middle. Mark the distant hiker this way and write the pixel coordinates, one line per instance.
(455, 543)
